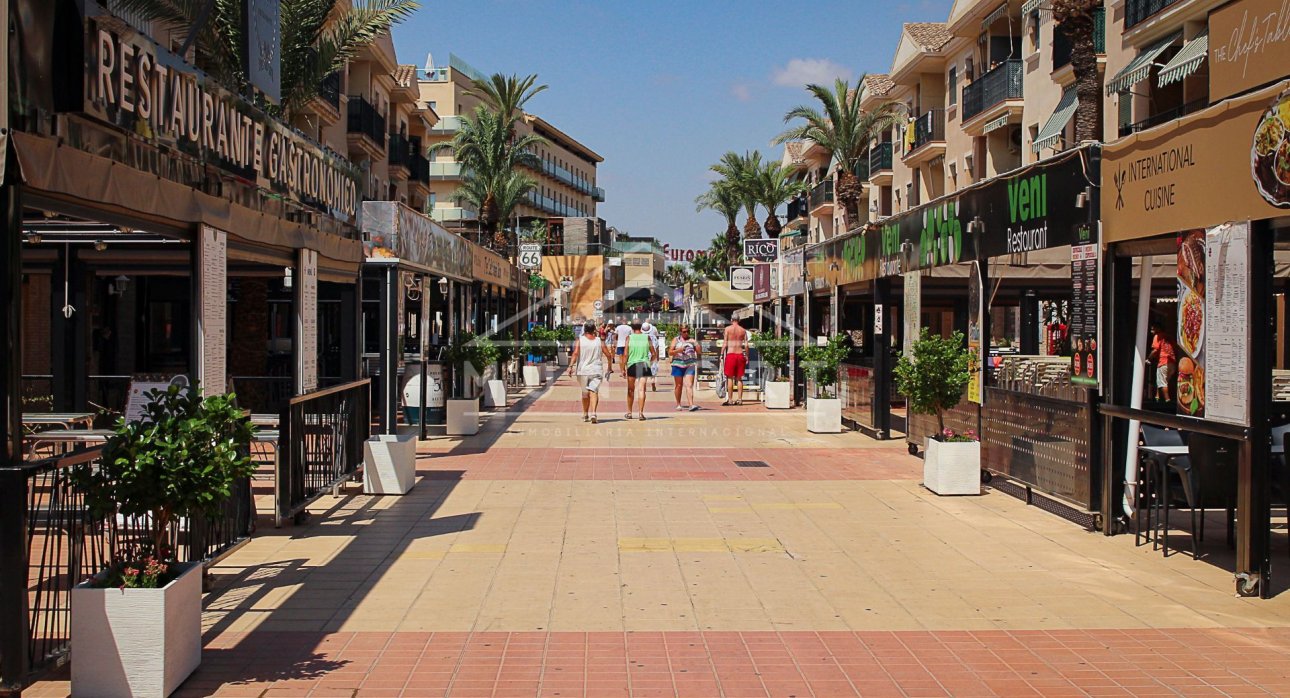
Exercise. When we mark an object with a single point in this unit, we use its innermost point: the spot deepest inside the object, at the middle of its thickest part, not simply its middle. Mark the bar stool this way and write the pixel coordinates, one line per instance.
(1207, 477)
(1154, 470)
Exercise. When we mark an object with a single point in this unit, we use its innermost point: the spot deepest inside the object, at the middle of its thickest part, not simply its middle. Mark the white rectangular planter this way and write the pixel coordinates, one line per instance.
(952, 468)
(824, 415)
(779, 395)
(495, 393)
(532, 376)
(463, 417)
(389, 464)
(136, 642)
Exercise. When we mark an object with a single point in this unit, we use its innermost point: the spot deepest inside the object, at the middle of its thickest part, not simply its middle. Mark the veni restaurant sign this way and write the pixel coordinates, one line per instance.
(137, 86)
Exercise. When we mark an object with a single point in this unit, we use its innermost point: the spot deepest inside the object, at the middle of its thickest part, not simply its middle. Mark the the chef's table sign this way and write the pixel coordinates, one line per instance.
(1228, 162)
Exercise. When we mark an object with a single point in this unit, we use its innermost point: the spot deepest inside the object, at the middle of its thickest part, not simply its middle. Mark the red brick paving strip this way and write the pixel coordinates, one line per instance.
(671, 464)
(870, 663)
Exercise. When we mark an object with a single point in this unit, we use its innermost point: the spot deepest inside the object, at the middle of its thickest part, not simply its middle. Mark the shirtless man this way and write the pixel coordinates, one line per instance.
(735, 348)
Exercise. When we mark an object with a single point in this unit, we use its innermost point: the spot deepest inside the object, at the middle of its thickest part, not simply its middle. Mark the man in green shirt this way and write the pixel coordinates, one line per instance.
(637, 357)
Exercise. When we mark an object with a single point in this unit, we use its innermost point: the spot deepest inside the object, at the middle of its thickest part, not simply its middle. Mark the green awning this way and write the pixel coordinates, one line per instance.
(1139, 68)
(1056, 124)
(1187, 61)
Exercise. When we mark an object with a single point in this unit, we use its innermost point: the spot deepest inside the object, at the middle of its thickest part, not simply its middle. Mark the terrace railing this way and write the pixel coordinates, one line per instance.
(320, 444)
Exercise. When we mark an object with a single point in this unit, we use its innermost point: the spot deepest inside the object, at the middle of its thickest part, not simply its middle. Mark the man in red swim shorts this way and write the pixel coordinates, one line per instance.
(735, 348)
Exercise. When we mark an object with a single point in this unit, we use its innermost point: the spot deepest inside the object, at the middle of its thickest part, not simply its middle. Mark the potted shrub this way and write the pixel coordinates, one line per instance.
(477, 352)
(541, 343)
(824, 411)
(774, 355)
(137, 625)
(565, 336)
(933, 378)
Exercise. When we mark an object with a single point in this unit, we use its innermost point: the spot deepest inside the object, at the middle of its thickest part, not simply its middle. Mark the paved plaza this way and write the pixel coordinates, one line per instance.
(726, 552)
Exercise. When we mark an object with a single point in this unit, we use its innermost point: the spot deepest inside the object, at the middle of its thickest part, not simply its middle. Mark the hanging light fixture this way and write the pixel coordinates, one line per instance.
(99, 245)
(443, 285)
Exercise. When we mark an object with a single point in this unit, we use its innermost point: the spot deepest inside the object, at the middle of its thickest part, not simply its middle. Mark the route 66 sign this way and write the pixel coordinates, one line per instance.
(530, 255)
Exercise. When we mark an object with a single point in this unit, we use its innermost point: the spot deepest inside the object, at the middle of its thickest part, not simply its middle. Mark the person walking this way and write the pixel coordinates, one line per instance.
(639, 354)
(590, 358)
(735, 349)
(686, 353)
(621, 332)
(1165, 358)
(649, 330)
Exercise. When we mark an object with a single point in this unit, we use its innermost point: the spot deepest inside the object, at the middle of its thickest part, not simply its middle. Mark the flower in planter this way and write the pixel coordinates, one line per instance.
(948, 435)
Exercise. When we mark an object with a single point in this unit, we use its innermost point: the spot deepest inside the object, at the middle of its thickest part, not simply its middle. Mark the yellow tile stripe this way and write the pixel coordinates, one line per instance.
(775, 506)
(699, 545)
(477, 548)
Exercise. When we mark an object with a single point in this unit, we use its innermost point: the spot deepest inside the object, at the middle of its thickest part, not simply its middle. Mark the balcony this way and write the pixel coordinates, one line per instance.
(1163, 117)
(439, 171)
(448, 215)
(420, 168)
(550, 205)
(880, 164)
(929, 137)
(400, 158)
(798, 210)
(821, 201)
(366, 127)
(1137, 11)
(861, 170)
(996, 93)
(329, 91)
(1062, 45)
(447, 125)
(597, 194)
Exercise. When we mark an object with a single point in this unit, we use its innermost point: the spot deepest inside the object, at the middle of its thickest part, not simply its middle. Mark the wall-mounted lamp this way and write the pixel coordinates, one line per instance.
(443, 285)
(119, 285)
(286, 277)
(34, 238)
(99, 245)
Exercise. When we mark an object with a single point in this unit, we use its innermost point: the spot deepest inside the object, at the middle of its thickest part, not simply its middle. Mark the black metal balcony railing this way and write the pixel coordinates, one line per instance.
(1062, 45)
(1164, 116)
(928, 128)
(861, 170)
(329, 90)
(1135, 11)
(420, 167)
(364, 119)
(879, 158)
(822, 194)
(400, 152)
(1000, 83)
(797, 208)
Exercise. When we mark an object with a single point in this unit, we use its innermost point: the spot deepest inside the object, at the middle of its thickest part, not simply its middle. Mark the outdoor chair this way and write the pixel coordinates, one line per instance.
(1151, 470)
(1205, 478)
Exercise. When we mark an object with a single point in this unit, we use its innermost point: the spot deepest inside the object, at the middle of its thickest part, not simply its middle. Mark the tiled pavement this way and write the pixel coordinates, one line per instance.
(549, 557)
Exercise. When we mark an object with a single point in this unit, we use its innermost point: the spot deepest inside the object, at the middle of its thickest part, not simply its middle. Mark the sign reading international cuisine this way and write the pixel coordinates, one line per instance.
(135, 85)
(761, 250)
(1228, 162)
(1249, 45)
(1029, 210)
(392, 230)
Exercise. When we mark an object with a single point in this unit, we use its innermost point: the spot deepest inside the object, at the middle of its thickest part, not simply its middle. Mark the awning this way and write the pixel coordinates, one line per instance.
(1187, 61)
(996, 124)
(1056, 124)
(1030, 6)
(990, 18)
(1139, 68)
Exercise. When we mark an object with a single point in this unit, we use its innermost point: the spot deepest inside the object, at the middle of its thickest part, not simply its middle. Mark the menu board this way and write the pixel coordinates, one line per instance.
(1225, 338)
(307, 320)
(212, 276)
(913, 310)
(1083, 319)
(975, 342)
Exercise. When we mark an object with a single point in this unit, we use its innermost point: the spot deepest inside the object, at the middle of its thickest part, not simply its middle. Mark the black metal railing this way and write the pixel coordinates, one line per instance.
(365, 120)
(798, 208)
(1000, 83)
(1062, 45)
(1135, 11)
(929, 127)
(329, 90)
(1162, 117)
(50, 542)
(400, 153)
(420, 167)
(861, 170)
(879, 158)
(320, 444)
(822, 194)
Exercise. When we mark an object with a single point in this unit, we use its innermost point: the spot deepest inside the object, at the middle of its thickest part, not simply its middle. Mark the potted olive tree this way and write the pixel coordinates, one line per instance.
(933, 377)
(774, 353)
(136, 625)
(476, 352)
(824, 411)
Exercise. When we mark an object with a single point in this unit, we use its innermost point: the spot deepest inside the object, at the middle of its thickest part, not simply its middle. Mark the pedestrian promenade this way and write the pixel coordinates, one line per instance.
(726, 552)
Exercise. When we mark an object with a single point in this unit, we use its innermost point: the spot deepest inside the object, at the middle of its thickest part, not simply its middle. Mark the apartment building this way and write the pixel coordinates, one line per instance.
(566, 178)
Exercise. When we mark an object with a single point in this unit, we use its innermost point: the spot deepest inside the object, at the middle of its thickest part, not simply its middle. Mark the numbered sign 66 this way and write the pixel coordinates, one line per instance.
(530, 256)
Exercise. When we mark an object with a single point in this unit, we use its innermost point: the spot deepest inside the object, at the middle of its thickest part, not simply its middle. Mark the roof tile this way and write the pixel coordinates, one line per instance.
(931, 36)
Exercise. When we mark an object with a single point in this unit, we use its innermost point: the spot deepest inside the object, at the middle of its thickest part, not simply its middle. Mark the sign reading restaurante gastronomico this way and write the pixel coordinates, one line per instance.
(134, 84)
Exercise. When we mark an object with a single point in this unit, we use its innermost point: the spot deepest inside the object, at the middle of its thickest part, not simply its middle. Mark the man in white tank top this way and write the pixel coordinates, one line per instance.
(591, 360)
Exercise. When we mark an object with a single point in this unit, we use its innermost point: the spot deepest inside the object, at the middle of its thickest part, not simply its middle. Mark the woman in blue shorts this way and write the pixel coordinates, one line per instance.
(685, 363)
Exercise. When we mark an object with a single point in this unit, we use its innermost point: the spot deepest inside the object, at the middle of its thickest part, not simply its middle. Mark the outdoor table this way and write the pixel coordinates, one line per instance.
(265, 419)
(67, 420)
(66, 438)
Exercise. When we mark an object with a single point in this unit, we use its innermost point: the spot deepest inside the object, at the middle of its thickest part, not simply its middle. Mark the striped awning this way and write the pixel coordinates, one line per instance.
(1056, 125)
(1030, 6)
(1187, 61)
(996, 124)
(1139, 68)
(990, 18)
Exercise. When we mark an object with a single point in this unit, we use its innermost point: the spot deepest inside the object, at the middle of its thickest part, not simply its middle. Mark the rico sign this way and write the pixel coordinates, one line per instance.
(761, 250)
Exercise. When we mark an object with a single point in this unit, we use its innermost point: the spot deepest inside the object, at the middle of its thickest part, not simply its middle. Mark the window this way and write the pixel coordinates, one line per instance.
(954, 86)
(434, 106)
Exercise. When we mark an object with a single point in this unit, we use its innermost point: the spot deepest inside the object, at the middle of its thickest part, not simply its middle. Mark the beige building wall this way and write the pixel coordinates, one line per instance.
(588, 273)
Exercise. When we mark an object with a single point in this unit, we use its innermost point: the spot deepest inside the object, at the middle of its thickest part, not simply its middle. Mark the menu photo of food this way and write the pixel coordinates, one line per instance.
(1270, 154)
(1190, 389)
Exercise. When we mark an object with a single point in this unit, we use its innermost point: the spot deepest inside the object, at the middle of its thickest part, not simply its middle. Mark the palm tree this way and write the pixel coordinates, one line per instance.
(775, 187)
(723, 198)
(1076, 19)
(713, 264)
(843, 129)
(318, 37)
(679, 274)
(511, 189)
(507, 94)
(740, 171)
(489, 159)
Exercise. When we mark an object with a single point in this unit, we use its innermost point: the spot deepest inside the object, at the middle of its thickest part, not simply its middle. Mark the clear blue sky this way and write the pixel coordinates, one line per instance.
(661, 89)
